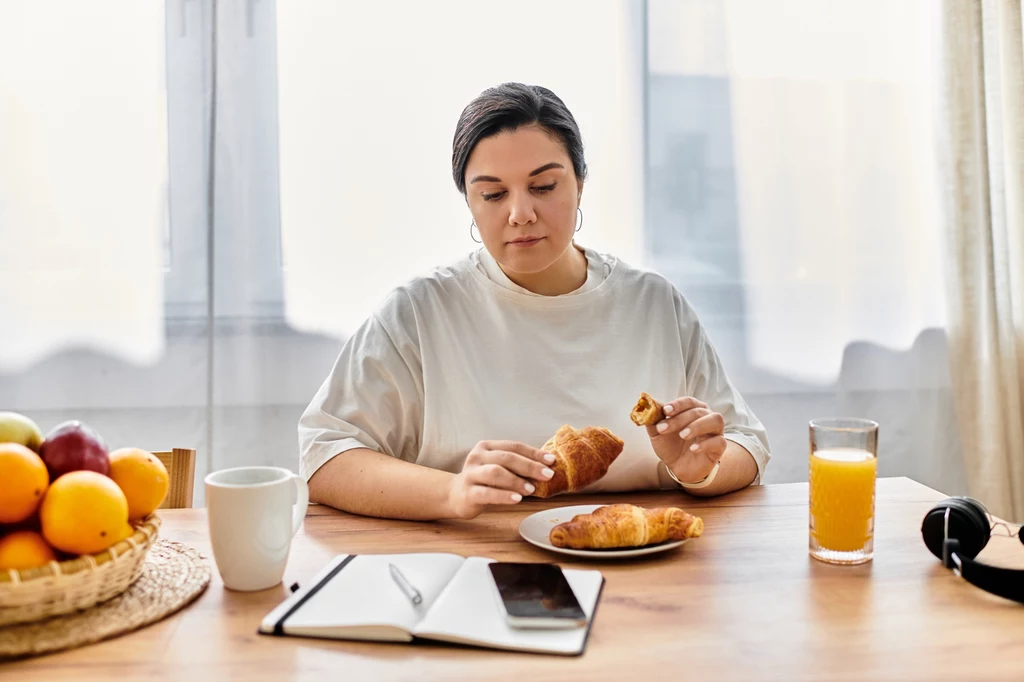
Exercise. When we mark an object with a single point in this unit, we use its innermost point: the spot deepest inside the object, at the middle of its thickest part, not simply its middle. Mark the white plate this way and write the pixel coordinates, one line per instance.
(536, 528)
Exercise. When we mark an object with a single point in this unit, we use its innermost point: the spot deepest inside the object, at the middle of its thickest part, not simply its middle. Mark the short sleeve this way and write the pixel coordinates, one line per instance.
(707, 380)
(372, 398)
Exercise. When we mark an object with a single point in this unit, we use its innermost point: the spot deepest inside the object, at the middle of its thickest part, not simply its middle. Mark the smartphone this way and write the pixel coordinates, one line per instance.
(536, 596)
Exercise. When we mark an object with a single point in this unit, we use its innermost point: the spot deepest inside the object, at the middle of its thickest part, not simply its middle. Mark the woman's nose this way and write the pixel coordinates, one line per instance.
(521, 210)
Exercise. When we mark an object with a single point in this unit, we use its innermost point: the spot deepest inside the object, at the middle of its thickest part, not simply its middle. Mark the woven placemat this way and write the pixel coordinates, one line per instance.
(174, 574)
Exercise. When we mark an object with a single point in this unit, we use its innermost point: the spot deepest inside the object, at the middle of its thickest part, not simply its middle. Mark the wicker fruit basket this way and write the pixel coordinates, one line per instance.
(66, 586)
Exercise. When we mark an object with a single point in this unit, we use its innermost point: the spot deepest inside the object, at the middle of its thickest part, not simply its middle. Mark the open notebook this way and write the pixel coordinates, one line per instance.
(355, 597)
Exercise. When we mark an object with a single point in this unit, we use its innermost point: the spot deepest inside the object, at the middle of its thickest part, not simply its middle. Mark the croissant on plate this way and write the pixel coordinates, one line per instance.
(647, 412)
(581, 457)
(626, 525)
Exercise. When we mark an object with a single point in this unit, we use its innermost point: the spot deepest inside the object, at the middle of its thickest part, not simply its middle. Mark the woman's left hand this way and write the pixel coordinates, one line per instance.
(690, 439)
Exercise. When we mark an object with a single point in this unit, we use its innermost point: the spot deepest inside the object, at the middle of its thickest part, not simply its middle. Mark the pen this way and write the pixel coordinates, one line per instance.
(411, 592)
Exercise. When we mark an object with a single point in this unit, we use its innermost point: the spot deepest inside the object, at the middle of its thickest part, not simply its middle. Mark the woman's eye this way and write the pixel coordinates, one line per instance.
(498, 195)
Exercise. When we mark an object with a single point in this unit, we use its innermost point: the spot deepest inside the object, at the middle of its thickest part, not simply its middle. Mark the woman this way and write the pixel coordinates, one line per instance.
(438, 402)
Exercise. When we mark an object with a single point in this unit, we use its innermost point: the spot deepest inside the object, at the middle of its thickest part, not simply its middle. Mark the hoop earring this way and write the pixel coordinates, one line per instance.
(580, 226)
(471, 226)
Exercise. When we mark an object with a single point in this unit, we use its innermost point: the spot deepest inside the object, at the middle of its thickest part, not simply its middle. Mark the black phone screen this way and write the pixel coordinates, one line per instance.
(535, 591)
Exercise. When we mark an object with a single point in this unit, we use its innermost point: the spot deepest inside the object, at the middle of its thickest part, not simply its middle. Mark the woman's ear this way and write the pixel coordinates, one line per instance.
(579, 192)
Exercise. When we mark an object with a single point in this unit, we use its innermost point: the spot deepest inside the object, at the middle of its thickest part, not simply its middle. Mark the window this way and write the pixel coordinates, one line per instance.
(773, 158)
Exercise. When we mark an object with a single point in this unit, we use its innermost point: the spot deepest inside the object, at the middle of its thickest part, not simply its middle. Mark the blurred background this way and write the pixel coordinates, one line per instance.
(199, 200)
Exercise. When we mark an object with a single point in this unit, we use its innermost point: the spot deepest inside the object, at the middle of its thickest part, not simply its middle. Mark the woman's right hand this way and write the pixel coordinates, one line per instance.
(497, 472)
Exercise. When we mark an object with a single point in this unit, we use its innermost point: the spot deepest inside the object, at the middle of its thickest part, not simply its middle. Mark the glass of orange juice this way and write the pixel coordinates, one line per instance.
(843, 467)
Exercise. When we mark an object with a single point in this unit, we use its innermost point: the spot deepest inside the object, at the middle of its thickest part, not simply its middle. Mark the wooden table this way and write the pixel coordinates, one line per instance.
(744, 602)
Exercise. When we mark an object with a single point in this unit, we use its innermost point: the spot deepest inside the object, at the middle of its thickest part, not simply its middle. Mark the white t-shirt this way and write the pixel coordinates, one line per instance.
(455, 357)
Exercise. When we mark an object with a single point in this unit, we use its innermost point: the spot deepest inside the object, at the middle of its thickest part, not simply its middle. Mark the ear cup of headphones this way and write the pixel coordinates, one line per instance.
(968, 524)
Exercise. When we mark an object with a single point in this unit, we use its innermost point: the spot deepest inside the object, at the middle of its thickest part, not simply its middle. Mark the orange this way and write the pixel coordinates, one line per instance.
(24, 479)
(141, 477)
(24, 549)
(83, 513)
(127, 530)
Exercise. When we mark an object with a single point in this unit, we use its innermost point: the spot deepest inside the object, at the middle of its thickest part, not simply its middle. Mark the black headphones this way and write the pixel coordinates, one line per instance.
(956, 530)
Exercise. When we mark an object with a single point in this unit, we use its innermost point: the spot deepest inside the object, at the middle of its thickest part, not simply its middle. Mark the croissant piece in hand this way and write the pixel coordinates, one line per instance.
(626, 525)
(647, 412)
(581, 457)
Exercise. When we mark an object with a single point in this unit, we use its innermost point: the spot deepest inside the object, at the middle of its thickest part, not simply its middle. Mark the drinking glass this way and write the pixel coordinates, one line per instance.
(843, 468)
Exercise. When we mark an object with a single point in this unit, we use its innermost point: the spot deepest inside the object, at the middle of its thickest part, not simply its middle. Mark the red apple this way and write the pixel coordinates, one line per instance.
(73, 446)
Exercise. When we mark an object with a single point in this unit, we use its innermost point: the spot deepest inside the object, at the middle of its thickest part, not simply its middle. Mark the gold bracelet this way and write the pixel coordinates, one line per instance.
(703, 483)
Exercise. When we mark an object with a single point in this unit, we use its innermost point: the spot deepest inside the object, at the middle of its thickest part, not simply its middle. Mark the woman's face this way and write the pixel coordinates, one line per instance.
(523, 195)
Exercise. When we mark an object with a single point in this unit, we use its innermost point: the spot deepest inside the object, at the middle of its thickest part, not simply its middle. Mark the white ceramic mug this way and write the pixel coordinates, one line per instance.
(253, 513)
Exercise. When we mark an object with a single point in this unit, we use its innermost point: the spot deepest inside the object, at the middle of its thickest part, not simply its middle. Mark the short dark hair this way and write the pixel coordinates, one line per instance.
(510, 106)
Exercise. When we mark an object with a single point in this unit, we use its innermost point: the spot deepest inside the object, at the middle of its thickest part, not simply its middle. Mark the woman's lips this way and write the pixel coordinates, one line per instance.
(526, 243)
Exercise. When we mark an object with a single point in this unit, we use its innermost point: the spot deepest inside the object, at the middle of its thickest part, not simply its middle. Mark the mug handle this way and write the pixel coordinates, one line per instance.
(301, 504)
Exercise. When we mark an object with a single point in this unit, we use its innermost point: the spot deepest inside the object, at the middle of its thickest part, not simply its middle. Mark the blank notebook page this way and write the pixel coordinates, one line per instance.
(364, 593)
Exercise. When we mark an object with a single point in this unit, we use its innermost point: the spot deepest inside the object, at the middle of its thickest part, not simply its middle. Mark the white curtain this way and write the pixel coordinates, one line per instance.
(833, 125)
(83, 179)
(806, 212)
(984, 143)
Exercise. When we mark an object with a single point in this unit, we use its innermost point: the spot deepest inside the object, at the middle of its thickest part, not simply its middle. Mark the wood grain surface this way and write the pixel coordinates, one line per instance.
(743, 602)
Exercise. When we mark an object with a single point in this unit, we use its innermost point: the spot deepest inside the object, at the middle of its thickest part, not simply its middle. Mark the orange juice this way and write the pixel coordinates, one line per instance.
(842, 499)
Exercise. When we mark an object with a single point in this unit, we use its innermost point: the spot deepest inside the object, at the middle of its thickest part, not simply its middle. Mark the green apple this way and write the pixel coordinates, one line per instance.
(17, 428)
